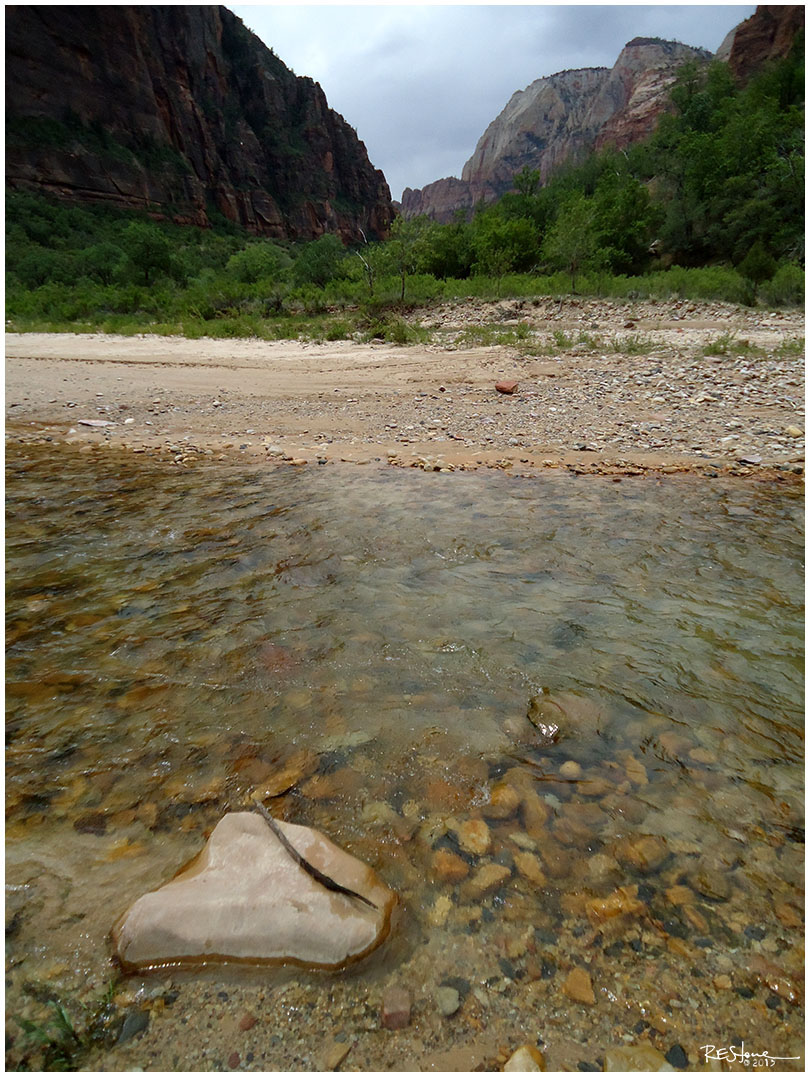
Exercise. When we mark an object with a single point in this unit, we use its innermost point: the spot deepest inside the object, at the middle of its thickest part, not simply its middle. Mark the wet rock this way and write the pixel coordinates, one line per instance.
(622, 902)
(636, 771)
(448, 1001)
(448, 867)
(644, 855)
(535, 814)
(488, 878)
(526, 1059)
(708, 879)
(504, 801)
(676, 1056)
(247, 1022)
(556, 859)
(277, 913)
(136, 1020)
(641, 1059)
(474, 836)
(578, 986)
(507, 387)
(299, 765)
(570, 770)
(395, 1011)
(775, 978)
(565, 714)
(602, 867)
(334, 1055)
(530, 868)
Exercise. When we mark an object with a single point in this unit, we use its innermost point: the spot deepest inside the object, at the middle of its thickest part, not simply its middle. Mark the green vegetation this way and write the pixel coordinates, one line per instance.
(60, 1041)
(711, 207)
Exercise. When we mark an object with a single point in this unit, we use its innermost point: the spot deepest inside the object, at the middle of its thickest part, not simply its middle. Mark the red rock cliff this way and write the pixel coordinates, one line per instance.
(181, 110)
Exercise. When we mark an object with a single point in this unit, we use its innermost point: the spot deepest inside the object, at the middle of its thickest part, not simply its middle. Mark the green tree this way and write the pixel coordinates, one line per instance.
(319, 261)
(259, 261)
(147, 249)
(572, 243)
(503, 246)
(757, 267)
(407, 247)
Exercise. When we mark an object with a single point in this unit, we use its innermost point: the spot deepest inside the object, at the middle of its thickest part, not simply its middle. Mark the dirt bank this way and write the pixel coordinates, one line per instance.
(602, 386)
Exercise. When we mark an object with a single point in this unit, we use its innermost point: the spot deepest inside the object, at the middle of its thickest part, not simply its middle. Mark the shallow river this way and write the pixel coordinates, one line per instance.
(175, 638)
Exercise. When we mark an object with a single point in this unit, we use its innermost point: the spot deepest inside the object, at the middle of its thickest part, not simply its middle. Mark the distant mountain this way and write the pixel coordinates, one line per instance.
(180, 110)
(564, 117)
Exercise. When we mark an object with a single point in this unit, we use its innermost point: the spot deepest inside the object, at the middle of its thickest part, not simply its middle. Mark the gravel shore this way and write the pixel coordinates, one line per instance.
(610, 387)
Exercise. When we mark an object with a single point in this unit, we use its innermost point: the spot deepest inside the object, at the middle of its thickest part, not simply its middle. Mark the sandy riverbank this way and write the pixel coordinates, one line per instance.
(618, 387)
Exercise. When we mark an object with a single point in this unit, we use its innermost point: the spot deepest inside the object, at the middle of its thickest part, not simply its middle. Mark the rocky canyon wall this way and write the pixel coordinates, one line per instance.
(183, 112)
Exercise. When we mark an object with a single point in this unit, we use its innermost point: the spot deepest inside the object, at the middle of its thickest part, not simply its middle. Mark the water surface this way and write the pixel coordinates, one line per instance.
(176, 636)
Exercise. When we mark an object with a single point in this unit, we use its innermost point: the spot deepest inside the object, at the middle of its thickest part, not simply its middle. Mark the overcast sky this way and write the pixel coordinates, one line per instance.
(420, 83)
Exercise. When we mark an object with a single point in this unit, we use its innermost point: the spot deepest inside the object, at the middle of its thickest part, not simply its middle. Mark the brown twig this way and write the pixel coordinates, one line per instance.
(310, 869)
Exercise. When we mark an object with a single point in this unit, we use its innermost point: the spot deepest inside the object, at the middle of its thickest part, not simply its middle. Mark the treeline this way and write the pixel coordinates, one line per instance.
(712, 206)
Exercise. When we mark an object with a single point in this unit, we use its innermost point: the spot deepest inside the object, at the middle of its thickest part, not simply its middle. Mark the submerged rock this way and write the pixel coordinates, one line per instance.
(245, 899)
(564, 714)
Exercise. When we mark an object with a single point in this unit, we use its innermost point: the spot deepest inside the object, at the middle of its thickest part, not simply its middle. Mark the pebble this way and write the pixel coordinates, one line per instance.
(504, 801)
(570, 770)
(526, 1059)
(247, 1022)
(641, 1059)
(334, 1054)
(644, 855)
(448, 867)
(530, 868)
(578, 986)
(448, 1001)
(709, 880)
(136, 1020)
(474, 836)
(488, 878)
(507, 387)
(395, 1012)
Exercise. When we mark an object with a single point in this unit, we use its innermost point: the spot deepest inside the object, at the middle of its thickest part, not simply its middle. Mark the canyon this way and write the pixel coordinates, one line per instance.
(182, 112)
(561, 118)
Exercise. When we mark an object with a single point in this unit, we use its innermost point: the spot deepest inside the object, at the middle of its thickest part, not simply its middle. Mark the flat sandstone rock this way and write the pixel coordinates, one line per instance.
(245, 899)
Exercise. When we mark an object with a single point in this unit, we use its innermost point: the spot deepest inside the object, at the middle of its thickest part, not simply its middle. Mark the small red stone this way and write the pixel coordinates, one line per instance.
(247, 1022)
(396, 1008)
(233, 1060)
(506, 386)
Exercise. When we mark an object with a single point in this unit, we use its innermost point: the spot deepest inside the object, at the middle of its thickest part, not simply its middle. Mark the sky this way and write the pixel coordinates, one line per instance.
(421, 83)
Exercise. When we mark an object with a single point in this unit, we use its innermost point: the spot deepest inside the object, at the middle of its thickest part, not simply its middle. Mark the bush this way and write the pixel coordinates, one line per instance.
(785, 288)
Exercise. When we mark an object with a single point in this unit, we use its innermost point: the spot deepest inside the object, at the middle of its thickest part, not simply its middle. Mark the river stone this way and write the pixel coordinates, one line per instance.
(641, 1059)
(245, 899)
(563, 714)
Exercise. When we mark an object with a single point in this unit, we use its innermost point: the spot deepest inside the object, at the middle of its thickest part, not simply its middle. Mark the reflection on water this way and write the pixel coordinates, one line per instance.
(178, 638)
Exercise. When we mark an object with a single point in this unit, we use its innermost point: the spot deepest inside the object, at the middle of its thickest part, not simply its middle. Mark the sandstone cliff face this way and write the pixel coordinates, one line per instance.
(562, 118)
(767, 35)
(181, 111)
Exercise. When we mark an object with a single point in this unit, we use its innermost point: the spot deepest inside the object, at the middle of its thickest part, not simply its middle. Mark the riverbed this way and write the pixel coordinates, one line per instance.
(179, 636)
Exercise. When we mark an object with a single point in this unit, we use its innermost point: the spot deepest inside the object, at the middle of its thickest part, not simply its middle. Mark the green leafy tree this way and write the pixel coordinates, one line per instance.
(503, 246)
(757, 267)
(147, 249)
(259, 261)
(407, 247)
(319, 261)
(572, 243)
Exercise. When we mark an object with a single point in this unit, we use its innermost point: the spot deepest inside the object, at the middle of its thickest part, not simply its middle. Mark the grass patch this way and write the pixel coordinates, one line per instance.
(728, 344)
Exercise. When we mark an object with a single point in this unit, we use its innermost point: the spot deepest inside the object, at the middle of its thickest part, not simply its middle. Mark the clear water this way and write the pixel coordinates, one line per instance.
(173, 636)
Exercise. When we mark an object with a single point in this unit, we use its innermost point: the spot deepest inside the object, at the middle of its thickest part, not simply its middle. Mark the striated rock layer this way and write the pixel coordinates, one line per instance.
(245, 899)
(558, 119)
(767, 35)
(182, 111)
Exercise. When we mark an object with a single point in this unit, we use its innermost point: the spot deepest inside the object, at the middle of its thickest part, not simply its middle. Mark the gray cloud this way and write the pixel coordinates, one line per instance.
(421, 83)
